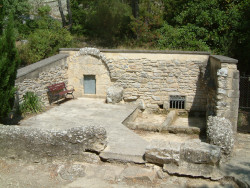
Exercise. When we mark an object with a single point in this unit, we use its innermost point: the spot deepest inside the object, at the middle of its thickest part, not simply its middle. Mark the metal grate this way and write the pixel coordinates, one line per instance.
(177, 102)
(245, 92)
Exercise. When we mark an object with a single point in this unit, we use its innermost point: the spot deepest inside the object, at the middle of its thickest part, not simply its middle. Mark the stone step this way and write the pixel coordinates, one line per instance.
(122, 158)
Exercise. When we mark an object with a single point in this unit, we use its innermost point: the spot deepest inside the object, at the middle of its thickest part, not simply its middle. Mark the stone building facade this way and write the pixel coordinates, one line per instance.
(206, 83)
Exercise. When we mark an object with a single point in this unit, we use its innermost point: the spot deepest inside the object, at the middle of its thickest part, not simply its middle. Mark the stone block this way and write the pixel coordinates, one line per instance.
(235, 84)
(114, 94)
(221, 91)
(156, 98)
(198, 152)
(135, 173)
(160, 152)
(236, 75)
(32, 143)
(222, 72)
(193, 170)
(220, 133)
(233, 94)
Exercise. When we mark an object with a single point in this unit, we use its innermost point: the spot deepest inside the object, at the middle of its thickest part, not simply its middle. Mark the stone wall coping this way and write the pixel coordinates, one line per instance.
(224, 59)
(30, 68)
(142, 51)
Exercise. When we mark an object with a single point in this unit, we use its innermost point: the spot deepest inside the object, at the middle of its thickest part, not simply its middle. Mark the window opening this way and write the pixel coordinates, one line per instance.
(177, 102)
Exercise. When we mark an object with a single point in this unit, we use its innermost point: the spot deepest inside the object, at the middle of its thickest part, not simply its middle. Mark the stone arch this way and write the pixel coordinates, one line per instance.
(95, 53)
(89, 62)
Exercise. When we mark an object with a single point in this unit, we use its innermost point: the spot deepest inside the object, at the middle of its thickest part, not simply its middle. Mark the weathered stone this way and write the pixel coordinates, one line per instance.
(159, 152)
(71, 172)
(222, 91)
(114, 94)
(86, 157)
(32, 143)
(141, 104)
(220, 133)
(169, 119)
(133, 173)
(199, 152)
(194, 170)
(156, 98)
(131, 98)
(182, 129)
(222, 72)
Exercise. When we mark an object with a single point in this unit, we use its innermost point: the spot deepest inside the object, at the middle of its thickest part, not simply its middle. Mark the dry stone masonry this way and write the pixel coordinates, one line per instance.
(152, 77)
(207, 83)
(38, 76)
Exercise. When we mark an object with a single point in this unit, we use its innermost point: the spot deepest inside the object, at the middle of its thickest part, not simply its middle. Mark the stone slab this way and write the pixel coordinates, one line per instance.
(160, 152)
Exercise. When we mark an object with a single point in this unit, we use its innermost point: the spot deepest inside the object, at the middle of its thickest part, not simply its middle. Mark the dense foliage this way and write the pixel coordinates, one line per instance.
(9, 61)
(219, 26)
(45, 40)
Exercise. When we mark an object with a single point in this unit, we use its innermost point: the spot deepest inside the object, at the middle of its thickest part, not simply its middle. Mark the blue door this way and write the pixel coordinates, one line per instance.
(89, 84)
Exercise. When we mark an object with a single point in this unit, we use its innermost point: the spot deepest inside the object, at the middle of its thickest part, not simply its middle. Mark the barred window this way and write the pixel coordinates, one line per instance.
(177, 102)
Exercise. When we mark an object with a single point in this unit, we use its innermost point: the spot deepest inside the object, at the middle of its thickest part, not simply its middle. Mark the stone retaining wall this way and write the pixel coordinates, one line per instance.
(38, 76)
(38, 144)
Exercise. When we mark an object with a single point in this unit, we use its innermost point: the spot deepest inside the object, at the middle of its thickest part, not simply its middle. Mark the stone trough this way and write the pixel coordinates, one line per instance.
(171, 122)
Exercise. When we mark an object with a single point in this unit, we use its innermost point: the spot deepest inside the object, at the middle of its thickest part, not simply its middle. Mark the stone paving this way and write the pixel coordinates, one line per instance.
(123, 144)
(239, 164)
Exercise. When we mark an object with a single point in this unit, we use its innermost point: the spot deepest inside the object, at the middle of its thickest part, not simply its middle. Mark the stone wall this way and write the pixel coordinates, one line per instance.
(148, 75)
(223, 88)
(38, 76)
(208, 84)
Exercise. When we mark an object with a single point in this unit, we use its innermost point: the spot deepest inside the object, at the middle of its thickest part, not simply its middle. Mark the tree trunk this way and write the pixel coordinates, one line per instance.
(1, 17)
(135, 8)
(69, 14)
(61, 12)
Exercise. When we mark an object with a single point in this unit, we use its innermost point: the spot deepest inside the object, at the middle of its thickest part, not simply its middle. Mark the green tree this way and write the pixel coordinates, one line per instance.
(20, 10)
(9, 61)
(104, 20)
(46, 39)
(144, 26)
(181, 38)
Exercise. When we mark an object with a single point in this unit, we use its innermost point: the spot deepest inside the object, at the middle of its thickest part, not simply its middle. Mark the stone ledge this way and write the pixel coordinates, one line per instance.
(143, 51)
(30, 68)
(224, 59)
(34, 144)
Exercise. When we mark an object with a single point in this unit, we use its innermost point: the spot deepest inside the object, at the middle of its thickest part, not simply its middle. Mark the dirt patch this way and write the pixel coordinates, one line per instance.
(150, 118)
(149, 136)
(36, 175)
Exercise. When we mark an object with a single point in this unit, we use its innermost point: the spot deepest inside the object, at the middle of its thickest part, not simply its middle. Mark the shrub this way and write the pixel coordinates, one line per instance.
(182, 38)
(31, 103)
